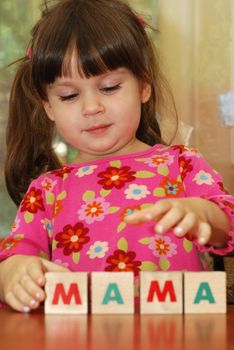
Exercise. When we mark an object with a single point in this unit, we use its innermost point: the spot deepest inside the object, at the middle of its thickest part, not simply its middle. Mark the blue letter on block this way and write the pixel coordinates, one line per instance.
(204, 286)
(112, 287)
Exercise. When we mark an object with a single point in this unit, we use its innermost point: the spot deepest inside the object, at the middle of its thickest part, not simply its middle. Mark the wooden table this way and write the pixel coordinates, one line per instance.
(38, 331)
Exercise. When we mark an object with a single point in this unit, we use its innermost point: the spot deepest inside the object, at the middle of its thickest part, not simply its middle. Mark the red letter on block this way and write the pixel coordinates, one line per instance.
(168, 288)
(72, 291)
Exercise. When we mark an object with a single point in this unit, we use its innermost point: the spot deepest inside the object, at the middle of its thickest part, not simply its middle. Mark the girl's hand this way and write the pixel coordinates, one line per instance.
(183, 215)
(22, 279)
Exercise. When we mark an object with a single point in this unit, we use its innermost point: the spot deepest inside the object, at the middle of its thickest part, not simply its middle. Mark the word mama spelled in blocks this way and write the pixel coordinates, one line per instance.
(113, 292)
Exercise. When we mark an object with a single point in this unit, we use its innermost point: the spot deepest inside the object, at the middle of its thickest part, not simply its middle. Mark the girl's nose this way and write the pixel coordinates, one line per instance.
(92, 104)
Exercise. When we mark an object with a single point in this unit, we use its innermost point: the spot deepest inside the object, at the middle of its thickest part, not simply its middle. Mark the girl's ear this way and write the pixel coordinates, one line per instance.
(145, 92)
(48, 110)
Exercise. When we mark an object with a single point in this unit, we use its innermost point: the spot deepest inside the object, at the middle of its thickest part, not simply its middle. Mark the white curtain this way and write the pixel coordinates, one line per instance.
(197, 48)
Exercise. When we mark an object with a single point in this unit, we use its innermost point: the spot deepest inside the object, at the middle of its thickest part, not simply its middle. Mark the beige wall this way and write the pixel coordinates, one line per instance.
(196, 43)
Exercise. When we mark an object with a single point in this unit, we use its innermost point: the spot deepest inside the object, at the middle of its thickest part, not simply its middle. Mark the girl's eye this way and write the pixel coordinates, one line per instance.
(68, 97)
(110, 89)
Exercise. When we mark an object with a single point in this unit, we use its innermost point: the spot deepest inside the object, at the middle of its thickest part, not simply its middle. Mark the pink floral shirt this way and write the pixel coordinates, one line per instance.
(74, 216)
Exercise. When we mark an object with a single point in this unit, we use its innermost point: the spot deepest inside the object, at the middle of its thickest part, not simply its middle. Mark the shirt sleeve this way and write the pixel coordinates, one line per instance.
(202, 181)
(32, 227)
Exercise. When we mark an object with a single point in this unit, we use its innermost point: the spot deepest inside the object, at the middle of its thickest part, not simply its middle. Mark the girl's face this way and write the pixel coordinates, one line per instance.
(99, 115)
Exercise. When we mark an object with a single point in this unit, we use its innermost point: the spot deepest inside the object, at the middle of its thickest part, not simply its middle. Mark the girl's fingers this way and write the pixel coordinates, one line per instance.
(13, 302)
(32, 288)
(204, 233)
(27, 293)
(35, 271)
(151, 213)
(201, 230)
(19, 298)
(172, 213)
(24, 297)
(170, 219)
(188, 223)
(49, 266)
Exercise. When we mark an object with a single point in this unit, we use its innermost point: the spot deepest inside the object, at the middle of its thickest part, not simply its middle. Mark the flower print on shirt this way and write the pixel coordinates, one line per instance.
(172, 187)
(62, 172)
(162, 246)
(86, 170)
(10, 243)
(160, 160)
(136, 192)
(48, 184)
(33, 201)
(116, 177)
(121, 261)
(57, 207)
(94, 209)
(72, 238)
(185, 166)
(48, 226)
(202, 177)
(98, 250)
(189, 152)
(129, 210)
(192, 152)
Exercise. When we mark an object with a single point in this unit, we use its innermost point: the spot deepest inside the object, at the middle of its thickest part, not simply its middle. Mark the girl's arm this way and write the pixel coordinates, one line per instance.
(206, 211)
(22, 269)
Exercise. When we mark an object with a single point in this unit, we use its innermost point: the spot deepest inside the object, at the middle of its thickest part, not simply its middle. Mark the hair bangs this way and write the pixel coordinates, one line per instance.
(97, 55)
(107, 47)
(98, 40)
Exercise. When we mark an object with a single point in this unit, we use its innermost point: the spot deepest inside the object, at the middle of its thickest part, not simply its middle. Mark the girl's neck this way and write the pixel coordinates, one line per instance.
(134, 146)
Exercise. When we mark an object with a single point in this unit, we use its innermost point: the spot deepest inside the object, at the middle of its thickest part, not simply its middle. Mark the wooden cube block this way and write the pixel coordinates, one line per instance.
(112, 292)
(205, 292)
(66, 293)
(161, 293)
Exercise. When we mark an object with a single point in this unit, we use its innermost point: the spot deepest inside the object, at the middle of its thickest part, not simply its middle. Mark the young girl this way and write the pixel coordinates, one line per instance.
(129, 202)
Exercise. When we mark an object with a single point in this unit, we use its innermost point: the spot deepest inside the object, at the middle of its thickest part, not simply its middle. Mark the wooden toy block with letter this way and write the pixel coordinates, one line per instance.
(112, 292)
(66, 293)
(205, 292)
(161, 292)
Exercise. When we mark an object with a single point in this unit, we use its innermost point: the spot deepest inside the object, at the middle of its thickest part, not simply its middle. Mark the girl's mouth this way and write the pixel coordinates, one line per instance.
(98, 129)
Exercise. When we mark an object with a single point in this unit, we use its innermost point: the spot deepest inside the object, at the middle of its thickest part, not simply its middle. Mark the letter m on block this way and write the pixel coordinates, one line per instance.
(168, 289)
(72, 292)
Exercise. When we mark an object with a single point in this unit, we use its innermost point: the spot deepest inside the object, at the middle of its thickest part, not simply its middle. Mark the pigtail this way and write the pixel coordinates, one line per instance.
(29, 135)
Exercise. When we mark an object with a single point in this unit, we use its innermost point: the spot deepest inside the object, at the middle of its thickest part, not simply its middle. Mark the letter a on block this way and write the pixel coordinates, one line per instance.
(161, 292)
(66, 292)
(205, 292)
(112, 292)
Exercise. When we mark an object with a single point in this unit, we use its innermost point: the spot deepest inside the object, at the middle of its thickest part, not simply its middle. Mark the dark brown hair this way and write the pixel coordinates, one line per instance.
(106, 35)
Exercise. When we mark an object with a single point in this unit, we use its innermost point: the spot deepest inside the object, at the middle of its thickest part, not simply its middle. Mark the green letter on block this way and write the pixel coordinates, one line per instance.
(112, 294)
(204, 287)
